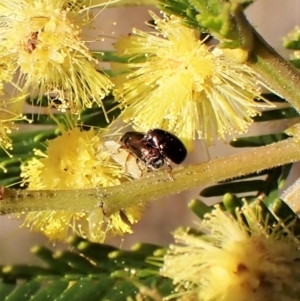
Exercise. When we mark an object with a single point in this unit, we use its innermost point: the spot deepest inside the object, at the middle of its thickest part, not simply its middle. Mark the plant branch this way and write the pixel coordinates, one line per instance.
(280, 75)
(122, 3)
(157, 185)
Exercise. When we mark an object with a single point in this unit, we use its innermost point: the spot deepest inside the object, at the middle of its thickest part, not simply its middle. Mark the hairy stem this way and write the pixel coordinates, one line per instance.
(281, 76)
(121, 3)
(157, 185)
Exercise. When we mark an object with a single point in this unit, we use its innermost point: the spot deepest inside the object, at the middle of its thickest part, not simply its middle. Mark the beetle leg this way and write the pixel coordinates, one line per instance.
(138, 162)
(103, 208)
(170, 170)
(128, 154)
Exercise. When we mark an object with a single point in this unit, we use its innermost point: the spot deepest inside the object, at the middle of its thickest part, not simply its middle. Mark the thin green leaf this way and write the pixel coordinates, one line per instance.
(24, 292)
(295, 62)
(6, 287)
(284, 213)
(86, 289)
(51, 291)
(276, 114)
(23, 271)
(285, 171)
(233, 187)
(255, 141)
(231, 203)
(77, 262)
(55, 264)
(199, 208)
(273, 97)
(112, 56)
(144, 249)
(120, 291)
(94, 251)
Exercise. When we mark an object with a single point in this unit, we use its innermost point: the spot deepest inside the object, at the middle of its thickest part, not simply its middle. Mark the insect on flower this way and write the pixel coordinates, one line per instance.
(155, 147)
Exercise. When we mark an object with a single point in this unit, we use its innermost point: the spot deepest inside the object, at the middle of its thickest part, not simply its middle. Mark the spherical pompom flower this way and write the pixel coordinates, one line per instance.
(240, 259)
(80, 160)
(42, 40)
(176, 82)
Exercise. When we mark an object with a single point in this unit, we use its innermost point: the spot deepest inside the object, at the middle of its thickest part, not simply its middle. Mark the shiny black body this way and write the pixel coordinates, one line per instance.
(155, 147)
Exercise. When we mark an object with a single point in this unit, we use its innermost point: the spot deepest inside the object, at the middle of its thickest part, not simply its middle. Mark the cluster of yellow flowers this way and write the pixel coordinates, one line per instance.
(80, 160)
(172, 81)
(42, 53)
(240, 258)
(183, 85)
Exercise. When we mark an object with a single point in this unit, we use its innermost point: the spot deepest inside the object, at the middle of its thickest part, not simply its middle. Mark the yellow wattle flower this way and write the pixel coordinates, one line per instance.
(240, 259)
(79, 160)
(7, 125)
(176, 82)
(9, 111)
(43, 40)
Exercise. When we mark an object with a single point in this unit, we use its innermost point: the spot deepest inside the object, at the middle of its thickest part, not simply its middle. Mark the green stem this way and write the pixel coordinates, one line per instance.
(122, 3)
(158, 184)
(137, 2)
(281, 76)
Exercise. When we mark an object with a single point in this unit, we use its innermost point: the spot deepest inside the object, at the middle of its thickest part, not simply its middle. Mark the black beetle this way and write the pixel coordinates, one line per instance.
(155, 147)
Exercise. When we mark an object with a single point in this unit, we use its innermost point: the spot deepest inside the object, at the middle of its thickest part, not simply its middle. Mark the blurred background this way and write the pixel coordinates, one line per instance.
(273, 20)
